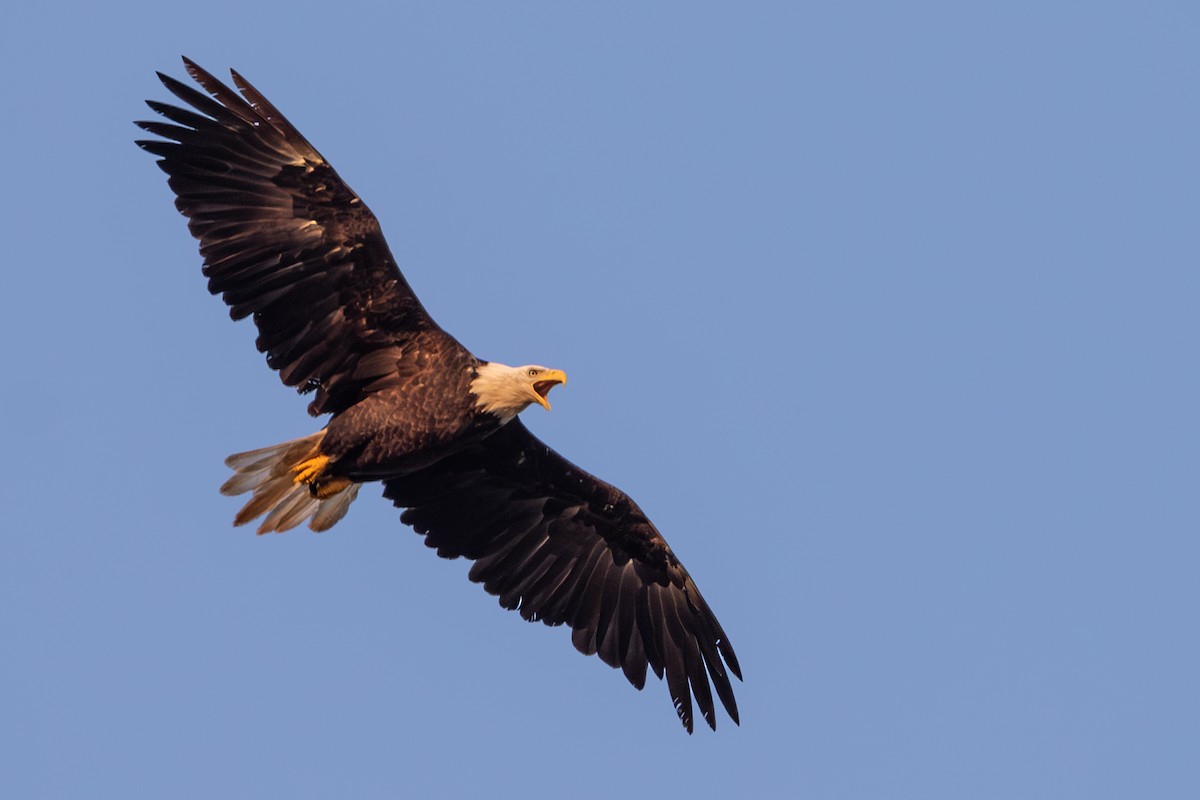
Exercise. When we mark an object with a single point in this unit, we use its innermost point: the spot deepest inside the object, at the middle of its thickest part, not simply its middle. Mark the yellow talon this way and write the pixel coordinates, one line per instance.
(330, 488)
(308, 471)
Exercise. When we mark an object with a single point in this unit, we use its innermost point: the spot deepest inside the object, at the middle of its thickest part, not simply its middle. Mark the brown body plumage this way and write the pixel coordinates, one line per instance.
(287, 243)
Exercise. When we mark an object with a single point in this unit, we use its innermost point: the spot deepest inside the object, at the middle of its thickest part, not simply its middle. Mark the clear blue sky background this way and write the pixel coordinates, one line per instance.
(885, 312)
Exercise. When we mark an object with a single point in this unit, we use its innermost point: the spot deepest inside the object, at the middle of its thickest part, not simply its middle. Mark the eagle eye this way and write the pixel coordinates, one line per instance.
(532, 372)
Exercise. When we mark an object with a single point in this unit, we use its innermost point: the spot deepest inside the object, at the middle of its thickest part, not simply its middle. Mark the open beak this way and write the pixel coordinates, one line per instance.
(545, 382)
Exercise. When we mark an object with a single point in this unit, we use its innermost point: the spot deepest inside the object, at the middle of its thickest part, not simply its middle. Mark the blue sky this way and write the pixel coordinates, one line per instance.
(885, 313)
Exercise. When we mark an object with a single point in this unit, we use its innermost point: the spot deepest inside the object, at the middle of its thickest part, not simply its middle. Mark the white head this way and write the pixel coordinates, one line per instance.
(507, 391)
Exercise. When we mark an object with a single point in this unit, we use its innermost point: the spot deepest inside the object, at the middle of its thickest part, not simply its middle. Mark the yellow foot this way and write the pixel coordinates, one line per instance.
(308, 471)
(329, 488)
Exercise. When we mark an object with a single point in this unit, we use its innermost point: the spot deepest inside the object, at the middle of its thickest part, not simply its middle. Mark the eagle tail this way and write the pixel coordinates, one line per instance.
(270, 473)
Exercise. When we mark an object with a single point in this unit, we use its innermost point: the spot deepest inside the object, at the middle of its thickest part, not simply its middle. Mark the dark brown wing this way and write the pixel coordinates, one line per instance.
(285, 240)
(561, 546)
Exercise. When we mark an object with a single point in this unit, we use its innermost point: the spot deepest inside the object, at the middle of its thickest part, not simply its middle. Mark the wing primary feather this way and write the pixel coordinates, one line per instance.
(269, 112)
(676, 672)
(191, 119)
(226, 97)
(650, 640)
(697, 675)
(166, 130)
(200, 102)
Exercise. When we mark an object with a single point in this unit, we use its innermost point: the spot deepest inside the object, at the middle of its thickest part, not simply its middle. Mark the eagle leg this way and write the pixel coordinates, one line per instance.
(312, 472)
(328, 488)
(308, 471)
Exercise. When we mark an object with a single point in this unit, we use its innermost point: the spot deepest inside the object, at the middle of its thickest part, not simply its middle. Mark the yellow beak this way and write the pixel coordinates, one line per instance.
(544, 383)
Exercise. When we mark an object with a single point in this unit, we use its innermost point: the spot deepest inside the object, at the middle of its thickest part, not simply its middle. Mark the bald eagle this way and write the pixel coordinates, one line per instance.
(287, 243)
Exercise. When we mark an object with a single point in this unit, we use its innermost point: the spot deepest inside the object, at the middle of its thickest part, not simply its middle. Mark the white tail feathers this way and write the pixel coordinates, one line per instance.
(270, 473)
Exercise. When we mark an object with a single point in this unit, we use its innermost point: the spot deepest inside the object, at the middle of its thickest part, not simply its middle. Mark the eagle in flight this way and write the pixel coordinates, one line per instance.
(287, 243)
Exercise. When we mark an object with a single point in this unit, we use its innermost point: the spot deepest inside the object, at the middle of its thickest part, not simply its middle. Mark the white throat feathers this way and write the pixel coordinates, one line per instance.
(507, 391)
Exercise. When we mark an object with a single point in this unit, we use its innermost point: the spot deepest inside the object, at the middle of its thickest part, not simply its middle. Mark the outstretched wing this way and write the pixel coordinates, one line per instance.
(285, 240)
(561, 546)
